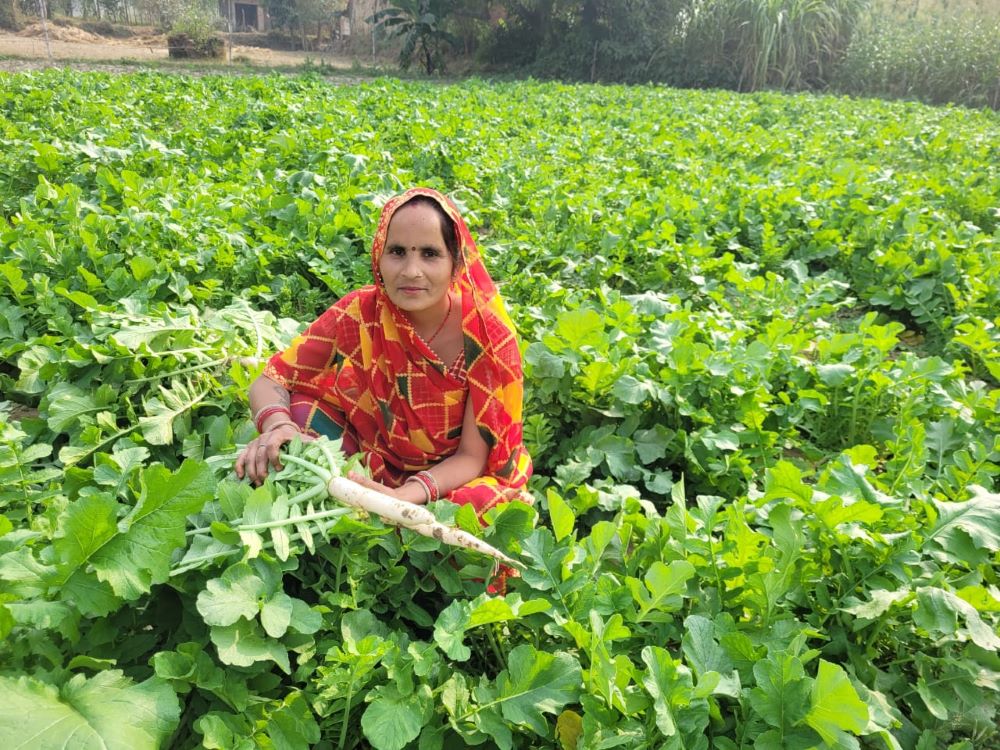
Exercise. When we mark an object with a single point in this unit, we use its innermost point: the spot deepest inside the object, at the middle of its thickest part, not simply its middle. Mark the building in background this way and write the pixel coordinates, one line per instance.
(246, 15)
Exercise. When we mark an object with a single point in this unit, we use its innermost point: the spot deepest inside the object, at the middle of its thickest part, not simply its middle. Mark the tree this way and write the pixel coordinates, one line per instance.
(609, 40)
(304, 16)
(8, 20)
(421, 24)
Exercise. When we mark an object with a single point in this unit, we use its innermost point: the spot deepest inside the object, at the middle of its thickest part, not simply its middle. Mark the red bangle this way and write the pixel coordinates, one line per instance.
(428, 481)
(417, 480)
(267, 412)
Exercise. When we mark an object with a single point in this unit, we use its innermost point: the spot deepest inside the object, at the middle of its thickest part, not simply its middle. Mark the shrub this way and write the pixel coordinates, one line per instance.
(184, 46)
(192, 34)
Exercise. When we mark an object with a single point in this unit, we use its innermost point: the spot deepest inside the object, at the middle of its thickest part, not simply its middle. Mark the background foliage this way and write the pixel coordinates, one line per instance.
(937, 51)
(760, 336)
(935, 58)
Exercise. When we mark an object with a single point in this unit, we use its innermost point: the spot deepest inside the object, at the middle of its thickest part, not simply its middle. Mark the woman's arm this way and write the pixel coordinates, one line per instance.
(265, 392)
(460, 468)
(263, 452)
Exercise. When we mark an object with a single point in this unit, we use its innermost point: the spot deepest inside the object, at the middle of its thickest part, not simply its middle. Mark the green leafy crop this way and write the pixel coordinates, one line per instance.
(761, 373)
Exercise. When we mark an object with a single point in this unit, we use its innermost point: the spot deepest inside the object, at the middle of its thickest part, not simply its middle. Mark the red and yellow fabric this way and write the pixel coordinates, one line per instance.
(363, 370)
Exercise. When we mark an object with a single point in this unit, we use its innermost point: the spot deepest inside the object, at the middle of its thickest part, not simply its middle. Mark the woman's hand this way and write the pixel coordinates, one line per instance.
(263, 451)
(409, 492)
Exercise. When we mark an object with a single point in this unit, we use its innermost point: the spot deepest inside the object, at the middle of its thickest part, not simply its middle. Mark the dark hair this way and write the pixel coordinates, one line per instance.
(448, 230)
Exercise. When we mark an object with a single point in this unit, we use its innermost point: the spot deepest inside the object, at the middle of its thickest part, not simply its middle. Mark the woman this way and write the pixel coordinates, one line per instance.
(419, 371)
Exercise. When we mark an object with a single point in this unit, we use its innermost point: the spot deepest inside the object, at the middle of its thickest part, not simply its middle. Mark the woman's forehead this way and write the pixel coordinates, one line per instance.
(415, 217)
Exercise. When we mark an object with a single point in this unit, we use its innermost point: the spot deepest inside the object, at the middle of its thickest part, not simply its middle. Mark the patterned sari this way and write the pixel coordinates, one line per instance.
(361, 372)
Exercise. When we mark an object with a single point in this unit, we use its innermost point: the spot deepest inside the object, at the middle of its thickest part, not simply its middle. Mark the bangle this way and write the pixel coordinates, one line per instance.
(427, 492)
(430, 484)
(267, 411)
(282, 423)
(254, 416)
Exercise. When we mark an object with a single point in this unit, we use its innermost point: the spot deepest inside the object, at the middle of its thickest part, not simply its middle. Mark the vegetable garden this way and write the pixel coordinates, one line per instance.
(762, 370)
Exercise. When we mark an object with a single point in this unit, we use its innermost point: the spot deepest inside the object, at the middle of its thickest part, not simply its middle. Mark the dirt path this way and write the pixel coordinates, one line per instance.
(30, 53)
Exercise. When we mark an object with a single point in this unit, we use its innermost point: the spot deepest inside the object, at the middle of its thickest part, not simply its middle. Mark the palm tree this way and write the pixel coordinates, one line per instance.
(420, 23)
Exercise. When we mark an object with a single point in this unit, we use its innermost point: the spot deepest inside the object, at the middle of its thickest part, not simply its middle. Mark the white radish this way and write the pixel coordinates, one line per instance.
(460, 538)
(414, 517)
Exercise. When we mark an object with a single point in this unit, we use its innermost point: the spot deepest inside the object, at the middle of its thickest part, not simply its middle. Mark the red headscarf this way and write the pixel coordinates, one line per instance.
(363, 366)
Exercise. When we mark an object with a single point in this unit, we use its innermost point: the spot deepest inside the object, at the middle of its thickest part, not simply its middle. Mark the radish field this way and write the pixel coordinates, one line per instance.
(761, 337)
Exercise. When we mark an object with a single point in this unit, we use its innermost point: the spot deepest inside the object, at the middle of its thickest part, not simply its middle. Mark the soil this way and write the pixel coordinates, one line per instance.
(19, 411)
(27, 50)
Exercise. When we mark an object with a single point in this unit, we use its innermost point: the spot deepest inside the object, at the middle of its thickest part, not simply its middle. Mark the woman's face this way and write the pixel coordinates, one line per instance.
(415, 265)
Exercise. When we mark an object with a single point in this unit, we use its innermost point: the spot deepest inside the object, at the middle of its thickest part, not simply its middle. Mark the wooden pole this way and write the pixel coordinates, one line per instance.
(44, 10)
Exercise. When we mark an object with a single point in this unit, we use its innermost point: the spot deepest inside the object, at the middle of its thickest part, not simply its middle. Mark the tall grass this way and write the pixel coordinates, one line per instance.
(786, 44)
(934, 58)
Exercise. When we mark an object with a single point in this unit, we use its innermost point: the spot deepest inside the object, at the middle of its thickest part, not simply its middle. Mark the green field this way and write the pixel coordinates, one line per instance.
(762, 366)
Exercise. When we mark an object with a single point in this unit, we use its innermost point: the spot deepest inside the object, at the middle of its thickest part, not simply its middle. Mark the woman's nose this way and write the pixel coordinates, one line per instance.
(412, 265)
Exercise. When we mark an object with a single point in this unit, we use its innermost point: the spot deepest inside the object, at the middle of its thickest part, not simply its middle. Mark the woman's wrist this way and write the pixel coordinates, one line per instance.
(269, 414)
(413, 492)
(275, 421)
(429, 483)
